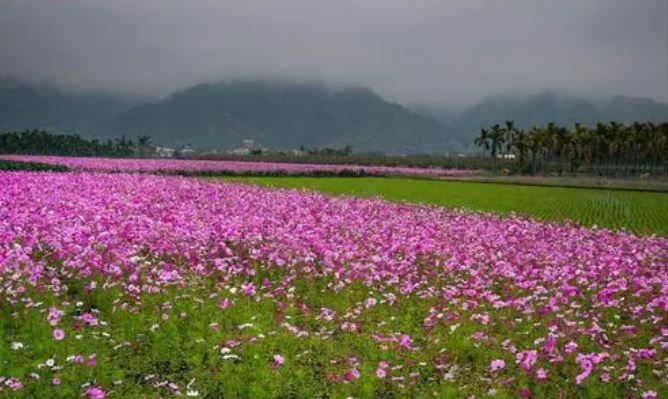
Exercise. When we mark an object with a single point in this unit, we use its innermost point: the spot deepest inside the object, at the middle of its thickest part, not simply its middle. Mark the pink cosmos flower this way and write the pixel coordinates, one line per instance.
(351, 375)
(570, 347)
(89, 319)
(370, 302)
(587, 364)
(649, 395)
(249, 289)
(278, 361)
(58, 334)
(497, 364)
(550, 344)
(405, 341)
(54, 316)
(526, 359)
(14, 384)
(380, 371)
(92, 360)
(541, 374)
(224, 304)
(478, 335)
(96, 393)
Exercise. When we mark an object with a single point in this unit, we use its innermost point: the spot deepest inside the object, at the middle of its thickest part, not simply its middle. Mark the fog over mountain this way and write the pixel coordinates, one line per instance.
(104, 68)
(284, 115)
(543, 108)
(26, 106)
(453, 53)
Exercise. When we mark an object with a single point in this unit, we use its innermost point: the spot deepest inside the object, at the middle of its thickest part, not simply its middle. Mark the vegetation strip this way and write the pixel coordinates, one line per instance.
(642, 212)
(203, 167)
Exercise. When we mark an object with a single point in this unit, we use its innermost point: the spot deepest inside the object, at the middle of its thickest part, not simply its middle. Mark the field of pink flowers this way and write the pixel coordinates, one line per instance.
(143, 286)
(175, 166)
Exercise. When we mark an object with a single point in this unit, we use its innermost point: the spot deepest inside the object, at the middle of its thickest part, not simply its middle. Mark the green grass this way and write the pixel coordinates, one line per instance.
(168, 336)
(640, 212)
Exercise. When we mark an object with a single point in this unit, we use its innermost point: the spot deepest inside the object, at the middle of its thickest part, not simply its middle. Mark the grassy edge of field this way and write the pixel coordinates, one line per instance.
(651, 185)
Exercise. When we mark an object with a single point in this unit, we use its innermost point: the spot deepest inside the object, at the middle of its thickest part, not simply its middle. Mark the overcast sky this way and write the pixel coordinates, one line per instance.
(411, 51)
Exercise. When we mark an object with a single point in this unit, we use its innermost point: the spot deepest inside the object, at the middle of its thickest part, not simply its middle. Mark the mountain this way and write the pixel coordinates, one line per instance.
(629, 109)
(290, 115)
(546, 107)
(25, 106)
(282, 115)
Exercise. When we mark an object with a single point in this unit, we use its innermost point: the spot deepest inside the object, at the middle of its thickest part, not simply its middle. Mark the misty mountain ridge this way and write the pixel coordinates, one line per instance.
(284, 115)
(547, 107)
(28, 106)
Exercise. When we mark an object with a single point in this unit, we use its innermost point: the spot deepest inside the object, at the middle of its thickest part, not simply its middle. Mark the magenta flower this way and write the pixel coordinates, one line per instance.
(381, 370)
(351, 375)
(58, 334)
(497, 364)
(14, 384)
(224, 304)
(526, 359)
(405, 341)
(249, 289)
(54, 316)
(96, 393)
(277, 361)
(570, 347)
(92, 360)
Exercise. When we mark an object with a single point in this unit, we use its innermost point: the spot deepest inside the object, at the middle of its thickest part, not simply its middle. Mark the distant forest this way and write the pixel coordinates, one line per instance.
(605, 149)
(40, 142)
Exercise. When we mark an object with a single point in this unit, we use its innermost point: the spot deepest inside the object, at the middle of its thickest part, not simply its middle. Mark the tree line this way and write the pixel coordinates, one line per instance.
(40, 142)
(605, 149)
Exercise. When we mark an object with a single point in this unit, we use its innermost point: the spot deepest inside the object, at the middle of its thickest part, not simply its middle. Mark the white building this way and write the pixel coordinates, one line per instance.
(247, 146)
(164, 152)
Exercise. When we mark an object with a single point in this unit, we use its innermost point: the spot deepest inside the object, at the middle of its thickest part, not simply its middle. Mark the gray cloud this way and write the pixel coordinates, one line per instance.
(449, 52)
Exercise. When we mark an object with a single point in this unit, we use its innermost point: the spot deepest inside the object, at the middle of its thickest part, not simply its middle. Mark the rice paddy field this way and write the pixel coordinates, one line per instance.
(638, 211)
(136, 285)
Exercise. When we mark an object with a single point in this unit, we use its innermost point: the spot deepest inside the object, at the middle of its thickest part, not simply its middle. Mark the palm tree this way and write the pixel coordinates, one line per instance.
(483, 140)
(497, 137)
(143, 144)
(519, 141)
(536, 143)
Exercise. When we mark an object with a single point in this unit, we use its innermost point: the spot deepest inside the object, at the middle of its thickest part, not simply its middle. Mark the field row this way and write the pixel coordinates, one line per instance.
(640, 212)
(200, 167)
